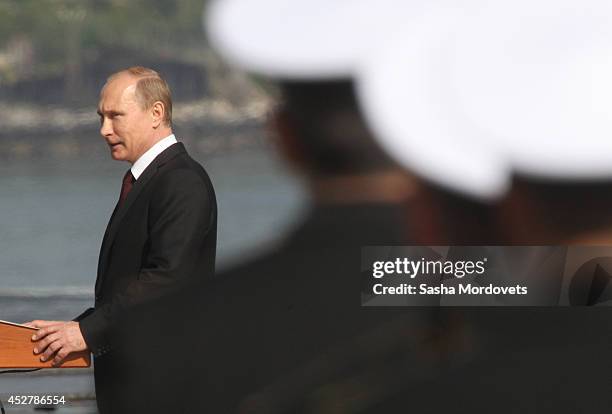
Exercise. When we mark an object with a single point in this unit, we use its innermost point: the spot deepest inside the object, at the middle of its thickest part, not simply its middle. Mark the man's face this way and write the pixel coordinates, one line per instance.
(125, 126)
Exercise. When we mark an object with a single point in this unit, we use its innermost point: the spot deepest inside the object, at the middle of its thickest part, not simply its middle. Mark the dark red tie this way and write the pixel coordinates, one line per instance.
(126, 187)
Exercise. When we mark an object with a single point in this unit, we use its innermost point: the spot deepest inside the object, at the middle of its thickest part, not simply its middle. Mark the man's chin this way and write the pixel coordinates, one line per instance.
(118, 154)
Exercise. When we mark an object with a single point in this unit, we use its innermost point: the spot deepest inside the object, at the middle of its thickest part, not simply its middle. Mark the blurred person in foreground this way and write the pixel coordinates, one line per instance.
(161, 235)
(285, 332)
(523, 118)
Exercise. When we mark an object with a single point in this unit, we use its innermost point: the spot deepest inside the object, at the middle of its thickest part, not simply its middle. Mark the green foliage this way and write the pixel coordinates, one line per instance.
(69, 32)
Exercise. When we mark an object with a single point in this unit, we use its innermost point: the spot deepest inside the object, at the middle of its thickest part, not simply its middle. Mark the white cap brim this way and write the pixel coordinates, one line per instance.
(463, 96)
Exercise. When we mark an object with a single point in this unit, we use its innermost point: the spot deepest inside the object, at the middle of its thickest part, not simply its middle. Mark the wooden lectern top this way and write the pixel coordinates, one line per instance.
(17, 350)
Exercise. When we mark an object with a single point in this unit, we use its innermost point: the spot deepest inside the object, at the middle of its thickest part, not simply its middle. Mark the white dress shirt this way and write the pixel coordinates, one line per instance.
(147, 158)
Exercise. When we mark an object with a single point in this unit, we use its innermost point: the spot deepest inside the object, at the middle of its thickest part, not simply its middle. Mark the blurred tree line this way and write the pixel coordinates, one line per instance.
(72, 43)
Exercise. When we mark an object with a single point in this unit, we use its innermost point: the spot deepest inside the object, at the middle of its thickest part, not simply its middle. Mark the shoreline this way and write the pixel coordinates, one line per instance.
(207, 127)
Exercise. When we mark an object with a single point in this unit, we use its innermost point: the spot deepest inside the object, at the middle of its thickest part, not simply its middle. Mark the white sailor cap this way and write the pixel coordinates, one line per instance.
(462, 93)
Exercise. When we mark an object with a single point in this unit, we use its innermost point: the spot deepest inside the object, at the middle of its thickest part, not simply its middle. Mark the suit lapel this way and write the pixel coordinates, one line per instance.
(120, 211)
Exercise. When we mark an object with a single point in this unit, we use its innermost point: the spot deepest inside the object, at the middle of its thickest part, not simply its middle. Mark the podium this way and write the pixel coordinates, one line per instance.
(17, 350)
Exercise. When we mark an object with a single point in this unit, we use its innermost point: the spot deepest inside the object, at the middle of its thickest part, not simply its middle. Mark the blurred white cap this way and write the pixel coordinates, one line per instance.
(461, 94)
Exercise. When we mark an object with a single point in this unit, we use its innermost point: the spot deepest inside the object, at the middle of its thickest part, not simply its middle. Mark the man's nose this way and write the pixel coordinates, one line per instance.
(106, 129)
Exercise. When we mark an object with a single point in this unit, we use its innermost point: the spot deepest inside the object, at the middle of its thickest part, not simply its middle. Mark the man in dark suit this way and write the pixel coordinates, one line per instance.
(161, 235)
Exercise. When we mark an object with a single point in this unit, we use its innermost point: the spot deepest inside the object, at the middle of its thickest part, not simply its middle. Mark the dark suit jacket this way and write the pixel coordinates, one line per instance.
(162, 237)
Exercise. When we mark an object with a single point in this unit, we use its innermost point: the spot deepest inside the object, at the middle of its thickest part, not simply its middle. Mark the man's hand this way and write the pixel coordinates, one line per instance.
(57, 339)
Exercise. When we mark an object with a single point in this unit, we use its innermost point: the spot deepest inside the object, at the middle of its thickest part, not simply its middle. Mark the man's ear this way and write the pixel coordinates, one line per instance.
(286, 140)
(158, 111)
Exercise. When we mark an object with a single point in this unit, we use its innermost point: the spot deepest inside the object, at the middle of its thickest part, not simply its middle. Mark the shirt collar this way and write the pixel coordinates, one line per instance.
(147, 158)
